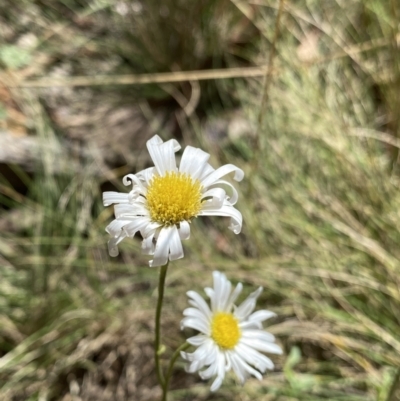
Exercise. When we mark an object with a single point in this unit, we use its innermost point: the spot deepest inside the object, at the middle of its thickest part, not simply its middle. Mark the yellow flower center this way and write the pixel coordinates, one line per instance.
(225, 330)
(173, 198)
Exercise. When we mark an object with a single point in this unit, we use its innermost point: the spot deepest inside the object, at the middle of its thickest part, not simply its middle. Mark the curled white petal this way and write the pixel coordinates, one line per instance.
(146, 175)
(130, 211)
(115, 227)
(162, 247)
(233, 198)
(148, 246)
(184, 230)
(193, 162)
(150, 229)
(175, 245)
(111, 197)
(163, 154)
(221, 172)
(113, 242)
(131, 179)
(226, 210)
(135, 226)
(215, 197)
(207, 170)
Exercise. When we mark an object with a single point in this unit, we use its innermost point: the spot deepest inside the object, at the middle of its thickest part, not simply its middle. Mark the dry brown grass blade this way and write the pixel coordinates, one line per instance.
(140, 79)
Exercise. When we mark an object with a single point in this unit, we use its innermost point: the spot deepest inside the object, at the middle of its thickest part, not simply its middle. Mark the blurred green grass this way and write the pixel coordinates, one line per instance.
(320, 200)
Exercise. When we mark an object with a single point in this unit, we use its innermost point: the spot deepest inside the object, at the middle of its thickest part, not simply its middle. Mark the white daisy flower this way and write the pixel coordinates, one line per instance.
(164, 200)
(231, 337)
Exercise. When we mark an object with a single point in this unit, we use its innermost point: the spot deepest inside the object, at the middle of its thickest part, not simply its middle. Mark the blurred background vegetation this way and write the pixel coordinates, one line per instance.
(317, 134)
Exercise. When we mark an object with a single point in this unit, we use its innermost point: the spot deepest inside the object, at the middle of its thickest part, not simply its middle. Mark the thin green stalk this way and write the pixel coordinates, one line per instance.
(395, 387)
(175, 356)
(157, 349)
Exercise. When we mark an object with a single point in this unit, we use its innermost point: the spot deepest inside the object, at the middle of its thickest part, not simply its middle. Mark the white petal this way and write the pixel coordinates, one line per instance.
(146, 175)
(196, 324)
(194, 366)
(219, 280)
(209, 355)
(197, 340)
(209, 372)
(162, 247)
(234, 197)
(261, 315)
(132, 179)
(184, 230)
(227, 211)
(263, 346)
(206, 172)
(221, 372)
(247, 367)
(209, 291)
(246, 324)
(148, 246)
(223, 293)
(248, 305)
(136, 225)
(137, 195)
(196, 313)
(205, 353)
(237, 367)
(175, 245)
(163, 154)
(193, 162)
(258, 334)
(130, 211)
(212, 352)
(228, 362)
(217, 383)
(220, 172)
(211, 359)
(235, 293)
(115, 227)
(217, 196)
(114, 197)
(150, 229)
(112, 244)
(253, 357)
(199, 302)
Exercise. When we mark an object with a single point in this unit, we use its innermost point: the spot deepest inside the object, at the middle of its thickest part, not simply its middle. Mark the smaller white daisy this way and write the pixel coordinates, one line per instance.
(231, 337)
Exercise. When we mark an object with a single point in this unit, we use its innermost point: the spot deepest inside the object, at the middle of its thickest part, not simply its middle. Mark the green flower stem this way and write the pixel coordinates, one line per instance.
(157, 348)
(175, 356)
(395, 387)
